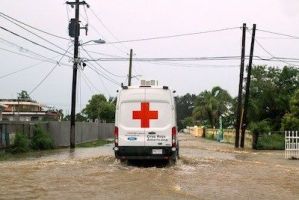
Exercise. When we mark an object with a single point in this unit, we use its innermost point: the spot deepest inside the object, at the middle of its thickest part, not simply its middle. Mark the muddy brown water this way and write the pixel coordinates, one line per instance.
(206, 170)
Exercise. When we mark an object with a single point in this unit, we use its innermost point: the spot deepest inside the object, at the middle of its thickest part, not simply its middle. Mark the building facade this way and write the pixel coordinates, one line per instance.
(26, 110)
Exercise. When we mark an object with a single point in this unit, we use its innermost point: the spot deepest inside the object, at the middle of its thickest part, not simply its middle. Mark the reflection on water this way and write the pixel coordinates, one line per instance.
(206, 170)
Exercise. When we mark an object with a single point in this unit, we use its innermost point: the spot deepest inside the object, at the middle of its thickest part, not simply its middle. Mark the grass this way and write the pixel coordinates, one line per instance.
(271, 142)
(96, 143)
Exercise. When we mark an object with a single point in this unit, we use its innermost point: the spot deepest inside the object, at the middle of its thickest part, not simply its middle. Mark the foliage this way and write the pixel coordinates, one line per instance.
(290, 120)
(270, 93)
(21, 144)
(188, 121)
(271, 142)
(262, 127)
(23, 95)
(99, 108)
(41, 140)
(184, 108)
(210, 105)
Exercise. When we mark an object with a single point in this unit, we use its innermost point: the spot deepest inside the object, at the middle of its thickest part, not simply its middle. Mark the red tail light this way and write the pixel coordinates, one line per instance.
(173, 133)
(116, 136)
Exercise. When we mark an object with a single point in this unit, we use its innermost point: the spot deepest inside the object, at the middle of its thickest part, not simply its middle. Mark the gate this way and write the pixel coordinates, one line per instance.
(291, 144)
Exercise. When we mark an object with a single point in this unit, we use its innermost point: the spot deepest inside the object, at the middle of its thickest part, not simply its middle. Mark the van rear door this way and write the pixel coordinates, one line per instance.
(158, 133)
(130, 131)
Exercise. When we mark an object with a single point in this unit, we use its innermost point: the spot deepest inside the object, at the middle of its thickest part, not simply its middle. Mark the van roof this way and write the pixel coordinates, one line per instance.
(143, 86)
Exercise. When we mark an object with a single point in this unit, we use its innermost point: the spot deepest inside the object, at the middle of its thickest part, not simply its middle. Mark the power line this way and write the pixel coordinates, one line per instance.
(281, 34)
(96, 30)
(88, 82)
(57, 52)
(269, 53)
(212, 58)
(33, 33)
(92, 67)
(20, 70)
(109, 31)
(116, 75)
(105, 54)
(26, 50)
(37, 29)
(48, 74)
(172, 36)
(34, 58)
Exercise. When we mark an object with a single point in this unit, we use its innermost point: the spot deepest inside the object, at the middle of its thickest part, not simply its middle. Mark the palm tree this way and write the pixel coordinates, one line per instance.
(210, 105)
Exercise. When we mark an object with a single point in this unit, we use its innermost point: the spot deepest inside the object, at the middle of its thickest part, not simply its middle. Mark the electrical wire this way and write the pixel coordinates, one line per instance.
(89, 84)
(105, 54)
(27, 50)
(37, 29)
(281, 34)
(92, 67)
(212, 58)
(20, 70)
(48, 74)
(40, 45)
(33, 33)
(126, 49)
(116, 75)
(96, 30)
(172, 36)
(269, 53)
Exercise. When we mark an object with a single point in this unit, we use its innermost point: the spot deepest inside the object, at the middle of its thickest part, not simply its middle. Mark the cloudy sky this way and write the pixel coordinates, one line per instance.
(121, 20)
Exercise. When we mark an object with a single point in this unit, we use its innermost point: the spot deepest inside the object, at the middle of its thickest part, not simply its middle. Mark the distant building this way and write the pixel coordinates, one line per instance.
(26, 110)
(2, 107)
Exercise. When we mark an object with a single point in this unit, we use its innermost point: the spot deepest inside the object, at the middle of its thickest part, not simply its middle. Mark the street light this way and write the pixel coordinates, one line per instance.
(98, 41)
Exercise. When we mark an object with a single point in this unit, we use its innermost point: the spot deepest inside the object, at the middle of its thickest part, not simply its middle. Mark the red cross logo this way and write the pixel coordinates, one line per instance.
(145, 115)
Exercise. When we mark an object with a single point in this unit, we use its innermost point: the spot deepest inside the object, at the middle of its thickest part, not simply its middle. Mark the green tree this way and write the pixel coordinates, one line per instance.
(99, 108)
(270, 92)
(291, 120)
(210, 105)
(184, 108)
(23, 95)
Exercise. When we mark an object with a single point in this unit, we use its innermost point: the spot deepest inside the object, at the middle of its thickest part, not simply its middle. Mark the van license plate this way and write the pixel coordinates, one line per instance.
(157, 151)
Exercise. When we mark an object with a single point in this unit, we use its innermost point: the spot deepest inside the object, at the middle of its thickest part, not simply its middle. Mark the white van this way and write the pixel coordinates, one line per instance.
(145, 124)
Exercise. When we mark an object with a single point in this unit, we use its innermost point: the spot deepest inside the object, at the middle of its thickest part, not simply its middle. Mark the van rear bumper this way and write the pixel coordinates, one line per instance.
(135, 152)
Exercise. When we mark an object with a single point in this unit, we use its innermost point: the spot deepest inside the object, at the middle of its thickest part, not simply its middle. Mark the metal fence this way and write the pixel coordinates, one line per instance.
(292, 144)
(58, 131)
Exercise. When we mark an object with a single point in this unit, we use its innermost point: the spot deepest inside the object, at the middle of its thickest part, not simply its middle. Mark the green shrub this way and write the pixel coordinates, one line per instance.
(259, 128)
(271, 142)
(21, 144)
(41, 140)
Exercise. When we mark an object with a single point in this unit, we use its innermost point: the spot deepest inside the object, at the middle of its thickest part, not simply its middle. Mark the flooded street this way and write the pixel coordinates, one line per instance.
(206, 170)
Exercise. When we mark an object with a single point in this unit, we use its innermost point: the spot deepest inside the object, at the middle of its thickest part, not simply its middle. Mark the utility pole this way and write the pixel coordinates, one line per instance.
(240, 94)
(130, 68)
(74, 31)
(247, 94)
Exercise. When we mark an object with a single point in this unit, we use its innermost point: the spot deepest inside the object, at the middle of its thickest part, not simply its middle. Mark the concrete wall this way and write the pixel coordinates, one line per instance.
(228, 134)
(59, 131)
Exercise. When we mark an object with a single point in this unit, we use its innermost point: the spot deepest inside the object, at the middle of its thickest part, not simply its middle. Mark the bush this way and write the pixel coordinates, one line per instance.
(41, 140)
(271, 142)
(259, 128)
(21, 144)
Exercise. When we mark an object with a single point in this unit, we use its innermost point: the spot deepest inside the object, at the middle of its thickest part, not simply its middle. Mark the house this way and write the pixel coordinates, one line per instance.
(26, 110)
(2, 107)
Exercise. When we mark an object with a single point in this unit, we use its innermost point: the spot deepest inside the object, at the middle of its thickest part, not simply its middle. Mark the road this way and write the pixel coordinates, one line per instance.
(206, 170)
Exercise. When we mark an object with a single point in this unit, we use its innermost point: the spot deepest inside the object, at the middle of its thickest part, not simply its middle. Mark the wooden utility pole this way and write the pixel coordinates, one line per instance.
(74, 31)
(130, 68)
(240, 94)
(247, 94)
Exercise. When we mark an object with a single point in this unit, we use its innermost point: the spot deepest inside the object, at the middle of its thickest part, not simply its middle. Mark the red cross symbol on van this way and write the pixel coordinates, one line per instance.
(145, 115)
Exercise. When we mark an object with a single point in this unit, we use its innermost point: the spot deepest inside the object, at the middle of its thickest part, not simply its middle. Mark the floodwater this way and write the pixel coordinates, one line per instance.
(206, 170)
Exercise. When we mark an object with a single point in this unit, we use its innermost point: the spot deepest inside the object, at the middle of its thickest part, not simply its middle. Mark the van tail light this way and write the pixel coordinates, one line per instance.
(116, 136)
(173, 133)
